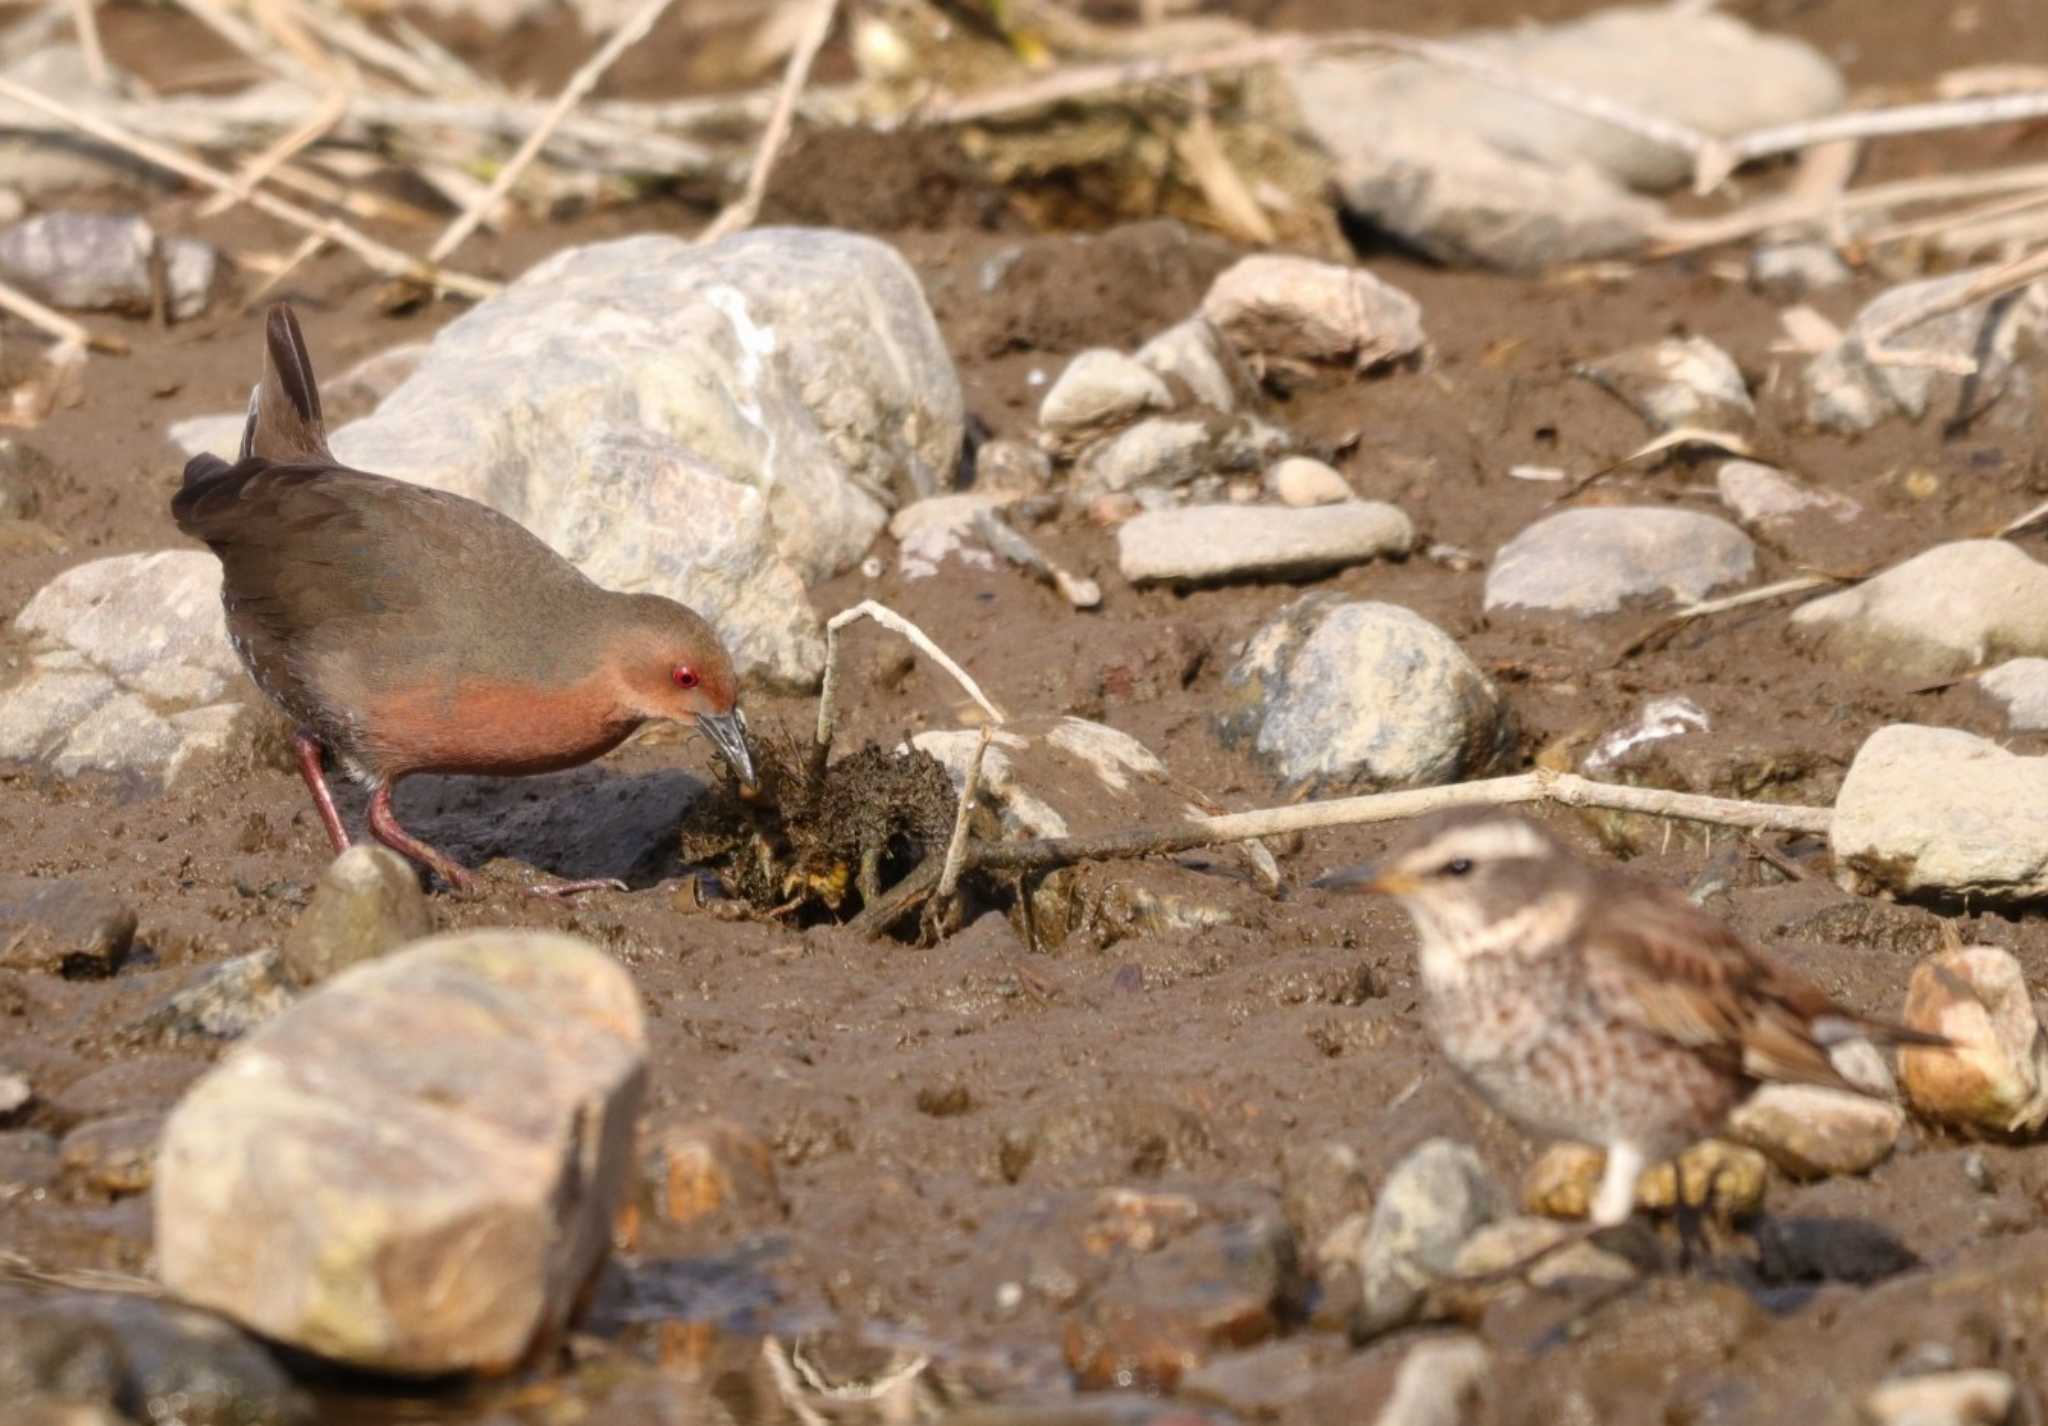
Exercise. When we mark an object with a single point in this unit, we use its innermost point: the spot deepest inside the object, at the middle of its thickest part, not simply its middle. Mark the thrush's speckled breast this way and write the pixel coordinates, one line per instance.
(1586, 1004)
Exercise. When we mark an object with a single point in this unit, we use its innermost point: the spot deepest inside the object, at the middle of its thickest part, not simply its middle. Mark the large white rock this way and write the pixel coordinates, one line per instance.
(1472, 171)
(1593, 561)
(1812, 1131)
(1937, 811)
(129, 669)
(1365, 695)
(1943, 612)
(1846, 391)
(1431, 1203)
(802, 365)
(415, 1168)
(2022, 686)
(1199, 543)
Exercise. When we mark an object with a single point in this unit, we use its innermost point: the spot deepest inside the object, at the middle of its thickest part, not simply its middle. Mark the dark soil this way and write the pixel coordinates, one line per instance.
(938, 1113)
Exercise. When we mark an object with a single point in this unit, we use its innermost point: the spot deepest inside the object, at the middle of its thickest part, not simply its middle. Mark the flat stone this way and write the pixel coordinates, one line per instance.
(62, 927)
(1761, 495)
(1442, 1381)
(1811, 1131)
(101, 262)
(1596, 560)
(367, 903)
(224, 1002)
(1163, 451)
(1100, 389)
(1995, 1079)
(115, 1155)
(1937, 811)
(1679, 381)
(1198, 357)
(1947, 610)
(1790, 271)
(1432, 1201)
(1510, 1241)
(1848, 392)
(1472, 172)
(1362, 695)
(1304, 480)
(115, 1349)
(1204, 543)
(1302, 312)
(415, 1169)
(2022, 686)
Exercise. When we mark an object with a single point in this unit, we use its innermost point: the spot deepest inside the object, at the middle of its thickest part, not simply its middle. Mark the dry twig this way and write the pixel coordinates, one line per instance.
(828, 693)
(86, 22)
(1563, 788)
(2006, 277)
(741, 212)
(252, 173)
(14, 300)
(1670, 626)
(963, 814)
(382, 258)
(629, 33)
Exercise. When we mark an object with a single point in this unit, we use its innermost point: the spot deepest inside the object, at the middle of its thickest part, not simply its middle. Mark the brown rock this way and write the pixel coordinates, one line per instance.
(1811, 1131)
(115, 1155)
(1995, 1080)
(62, 927)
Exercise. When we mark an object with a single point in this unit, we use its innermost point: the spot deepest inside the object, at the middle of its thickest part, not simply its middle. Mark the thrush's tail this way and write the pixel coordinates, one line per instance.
(285, 424)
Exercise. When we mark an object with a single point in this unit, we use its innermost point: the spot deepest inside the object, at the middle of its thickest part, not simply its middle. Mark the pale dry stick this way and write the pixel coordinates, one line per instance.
(380, 257)
(1799, 584)
(1996, 282)
(349, 35)
(1687, 235)
(963, 813)
(13, 299)
(1959, 218)
(86, 23)
(281, 152)
(303, 253)
(286, 25)
(828, 692)
(1563, 788)
(1086, 80)
(1723, 156)
(248, 41)
(741, 212)
(629, 33)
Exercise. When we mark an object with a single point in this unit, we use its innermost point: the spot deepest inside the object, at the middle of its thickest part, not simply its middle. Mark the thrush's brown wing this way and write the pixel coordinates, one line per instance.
(1658, 961)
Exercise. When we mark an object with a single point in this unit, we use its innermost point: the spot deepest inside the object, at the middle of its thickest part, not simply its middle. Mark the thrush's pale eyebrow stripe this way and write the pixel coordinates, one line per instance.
(1489, 841)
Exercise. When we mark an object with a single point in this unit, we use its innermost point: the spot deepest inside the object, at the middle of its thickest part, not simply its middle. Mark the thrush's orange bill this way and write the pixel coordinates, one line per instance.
(408, 630)
(1587, 1004)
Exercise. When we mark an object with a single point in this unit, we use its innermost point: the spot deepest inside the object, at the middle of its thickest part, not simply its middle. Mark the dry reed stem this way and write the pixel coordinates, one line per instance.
(86, 22)
(2006, 277)
(963, 813)
(14, 300)
(282, 151)
(742, 211)
(630, 32)
(379, 256)
(828, 693)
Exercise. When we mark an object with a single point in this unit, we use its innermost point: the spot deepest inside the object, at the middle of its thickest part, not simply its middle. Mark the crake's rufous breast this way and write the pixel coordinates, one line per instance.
(409, 630)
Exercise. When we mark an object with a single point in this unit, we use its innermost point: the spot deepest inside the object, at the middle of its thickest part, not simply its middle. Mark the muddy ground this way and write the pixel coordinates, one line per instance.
(943, 1118)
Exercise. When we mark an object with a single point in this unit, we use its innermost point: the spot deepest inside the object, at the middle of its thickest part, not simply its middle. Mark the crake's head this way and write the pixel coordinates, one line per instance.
(676, 669)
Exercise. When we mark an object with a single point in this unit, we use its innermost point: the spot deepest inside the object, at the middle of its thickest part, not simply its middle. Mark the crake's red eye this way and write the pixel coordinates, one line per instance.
(685, 676)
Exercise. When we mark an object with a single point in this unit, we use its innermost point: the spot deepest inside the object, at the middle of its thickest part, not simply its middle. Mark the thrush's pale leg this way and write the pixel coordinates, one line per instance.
(1616, 1197)
(309, 749)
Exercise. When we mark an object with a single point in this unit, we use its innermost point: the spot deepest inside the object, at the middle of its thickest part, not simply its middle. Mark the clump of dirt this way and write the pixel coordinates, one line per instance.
(823, 845)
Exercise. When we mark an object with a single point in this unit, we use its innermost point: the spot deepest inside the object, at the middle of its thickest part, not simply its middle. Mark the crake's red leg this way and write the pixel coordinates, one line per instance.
(308, 749)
